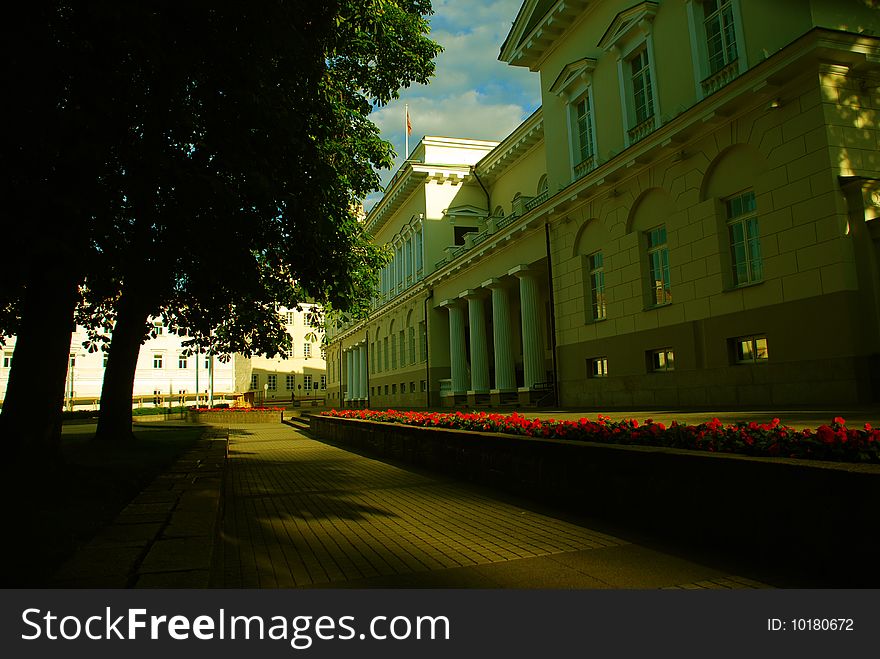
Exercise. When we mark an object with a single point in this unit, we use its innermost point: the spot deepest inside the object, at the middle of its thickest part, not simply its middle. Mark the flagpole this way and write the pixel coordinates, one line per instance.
(406, 131)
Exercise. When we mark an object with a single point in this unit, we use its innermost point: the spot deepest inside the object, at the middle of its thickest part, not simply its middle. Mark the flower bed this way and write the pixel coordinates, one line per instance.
(828, 442)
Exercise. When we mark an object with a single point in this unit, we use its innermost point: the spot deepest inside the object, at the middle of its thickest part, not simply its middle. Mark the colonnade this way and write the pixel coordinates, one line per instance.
(473, 302)
(356, 372)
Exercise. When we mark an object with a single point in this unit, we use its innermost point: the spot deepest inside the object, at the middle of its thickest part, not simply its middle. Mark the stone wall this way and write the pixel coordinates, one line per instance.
(224, 418)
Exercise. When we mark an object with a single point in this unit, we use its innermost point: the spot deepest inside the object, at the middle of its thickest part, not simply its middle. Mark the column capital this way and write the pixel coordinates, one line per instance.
(495, 282)
(472, 294)
(521, 271)
(451, 302)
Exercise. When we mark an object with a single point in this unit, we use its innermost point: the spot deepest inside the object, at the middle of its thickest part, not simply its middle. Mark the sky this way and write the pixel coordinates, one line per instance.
(472, 93)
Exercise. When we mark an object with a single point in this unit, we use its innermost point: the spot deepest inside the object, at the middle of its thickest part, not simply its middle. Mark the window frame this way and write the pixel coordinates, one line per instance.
(753, 339)
(661, 360)
(651, 281)
(596, 285)
(597, 373)
(158, 361)
(746, 220)
(703, 74)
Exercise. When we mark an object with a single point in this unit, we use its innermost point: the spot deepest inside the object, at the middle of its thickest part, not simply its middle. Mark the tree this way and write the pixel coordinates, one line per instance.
(62, 82)
(252, 121)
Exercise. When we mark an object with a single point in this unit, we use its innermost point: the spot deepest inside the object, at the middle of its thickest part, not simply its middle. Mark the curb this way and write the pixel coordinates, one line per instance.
(165, 537)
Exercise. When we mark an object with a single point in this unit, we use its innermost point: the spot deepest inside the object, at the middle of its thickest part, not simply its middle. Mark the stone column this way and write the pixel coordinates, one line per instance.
(533, 351)
(362, 352)
(479, 352)
(505, 375)
(457, 348)
(355, 374)
(349, 393)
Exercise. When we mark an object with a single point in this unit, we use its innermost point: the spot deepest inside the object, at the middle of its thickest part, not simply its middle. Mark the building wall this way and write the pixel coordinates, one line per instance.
(790, 124)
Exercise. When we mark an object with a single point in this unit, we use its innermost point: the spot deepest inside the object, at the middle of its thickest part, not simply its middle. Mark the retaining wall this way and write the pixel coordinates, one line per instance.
(224, 418)
(821, 516)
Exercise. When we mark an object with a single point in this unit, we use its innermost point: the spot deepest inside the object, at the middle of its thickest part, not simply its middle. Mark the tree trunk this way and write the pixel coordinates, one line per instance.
(30, 422)
(114, 421)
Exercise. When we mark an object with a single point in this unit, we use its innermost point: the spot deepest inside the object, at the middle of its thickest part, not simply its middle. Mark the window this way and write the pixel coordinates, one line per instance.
(423, 341)
(418, 250)
(402, 336)
(583, 129)
(386, 389)
(642, 92)
(157, 396)
(157, 361)
(307, 382)
(7, 360)
(720, 34)
(372, 357)
(661, 360)
(157, 328)
(272, 381)
(394, 388)
(597, 285)
(751, 350)
(207, 362)
(412, 345)
(718, 58)
(658, 267)
(290, 382)
(72, 360)
(289, 317)
(459, 233)
(597, 367)
(412, 387)
(393, 351)
(106, 357)
(255, 381)
(323, 382)
(631, 38)
(745, 244)
(181, 361)
(423, 386)
(385, 353)
(378, 356)
(307, 350)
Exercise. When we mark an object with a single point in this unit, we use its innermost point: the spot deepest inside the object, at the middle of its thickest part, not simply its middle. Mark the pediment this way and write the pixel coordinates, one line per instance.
(465, 210)
(573, 76)
(627, 23)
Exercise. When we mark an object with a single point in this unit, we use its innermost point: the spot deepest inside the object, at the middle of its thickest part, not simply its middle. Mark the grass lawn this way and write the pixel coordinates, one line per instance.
(51, 512)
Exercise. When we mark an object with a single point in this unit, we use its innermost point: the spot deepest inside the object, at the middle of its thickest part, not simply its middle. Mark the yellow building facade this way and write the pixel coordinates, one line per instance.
(689, 220)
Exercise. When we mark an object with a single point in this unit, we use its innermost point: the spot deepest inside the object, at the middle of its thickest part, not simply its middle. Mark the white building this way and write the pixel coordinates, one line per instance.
(166, 375)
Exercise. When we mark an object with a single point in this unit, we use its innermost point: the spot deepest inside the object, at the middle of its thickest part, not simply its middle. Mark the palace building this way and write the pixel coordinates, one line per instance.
(690, 219)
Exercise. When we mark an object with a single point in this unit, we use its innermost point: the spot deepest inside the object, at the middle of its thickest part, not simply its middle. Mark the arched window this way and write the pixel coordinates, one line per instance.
(543, 186)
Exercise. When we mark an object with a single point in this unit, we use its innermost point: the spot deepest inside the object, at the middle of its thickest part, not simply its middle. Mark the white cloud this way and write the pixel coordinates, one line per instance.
(467, 114)
(472, 94)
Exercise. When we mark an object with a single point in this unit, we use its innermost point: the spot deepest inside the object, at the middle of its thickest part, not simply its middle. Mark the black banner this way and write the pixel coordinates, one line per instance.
(438, 623)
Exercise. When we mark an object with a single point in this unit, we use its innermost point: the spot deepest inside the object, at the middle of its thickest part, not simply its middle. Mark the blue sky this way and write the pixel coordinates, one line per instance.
(472, 93)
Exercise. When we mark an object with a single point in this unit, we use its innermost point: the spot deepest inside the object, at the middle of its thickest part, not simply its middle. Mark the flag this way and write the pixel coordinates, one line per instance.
(408, 124)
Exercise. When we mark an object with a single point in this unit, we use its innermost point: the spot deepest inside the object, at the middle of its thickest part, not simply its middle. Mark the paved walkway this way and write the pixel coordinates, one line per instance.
(298, 513)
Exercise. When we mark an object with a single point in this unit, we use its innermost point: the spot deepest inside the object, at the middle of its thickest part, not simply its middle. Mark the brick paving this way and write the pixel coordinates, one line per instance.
(298, 513)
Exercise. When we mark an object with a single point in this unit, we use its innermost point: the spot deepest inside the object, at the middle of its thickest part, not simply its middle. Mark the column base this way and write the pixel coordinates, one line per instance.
(478, 398)
(453, 399)
(529, 397)
(504, 397)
